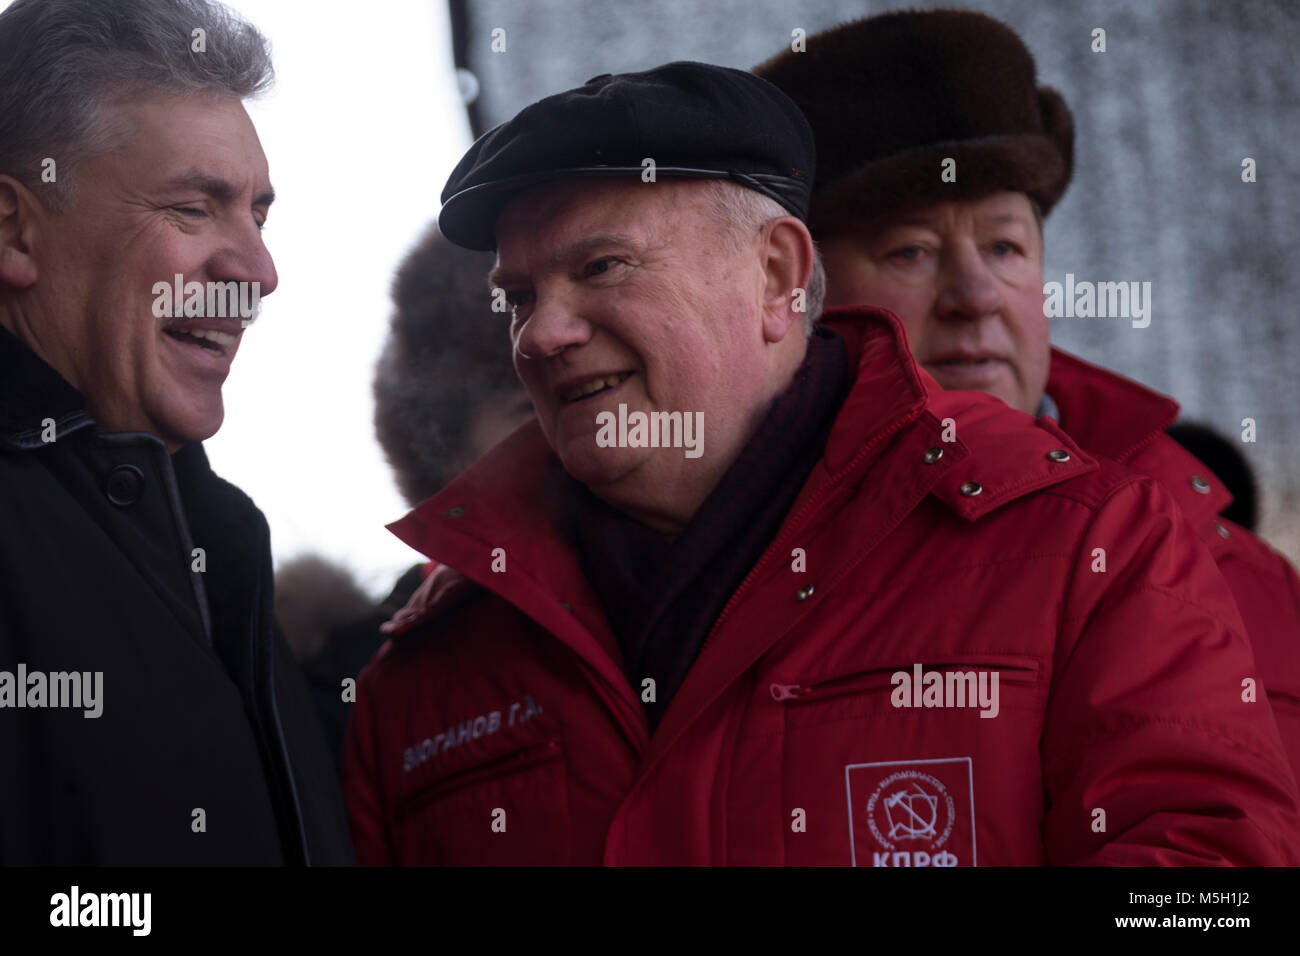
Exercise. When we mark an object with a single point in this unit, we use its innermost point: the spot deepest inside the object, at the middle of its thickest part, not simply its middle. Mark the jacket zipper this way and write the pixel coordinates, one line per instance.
(501, 766)
(879, 678)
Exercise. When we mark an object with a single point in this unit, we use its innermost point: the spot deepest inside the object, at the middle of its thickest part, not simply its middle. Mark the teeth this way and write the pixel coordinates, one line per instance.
(595, 385)
(222, 339)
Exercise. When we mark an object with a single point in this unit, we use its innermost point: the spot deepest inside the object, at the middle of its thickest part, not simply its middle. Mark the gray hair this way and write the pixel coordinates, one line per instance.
(62, 61)
(746, 211)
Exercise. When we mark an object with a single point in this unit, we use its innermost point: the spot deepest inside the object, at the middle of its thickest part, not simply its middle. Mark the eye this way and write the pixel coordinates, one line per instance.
(518, 298)
(191, 211)
(1004, 247)
(908, 253)
(601, 266)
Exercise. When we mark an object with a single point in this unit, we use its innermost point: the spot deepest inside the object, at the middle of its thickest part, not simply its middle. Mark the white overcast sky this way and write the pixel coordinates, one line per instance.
(361, 129)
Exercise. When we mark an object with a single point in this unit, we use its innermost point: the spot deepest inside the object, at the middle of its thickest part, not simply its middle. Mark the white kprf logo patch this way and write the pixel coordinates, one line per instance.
(911, 813)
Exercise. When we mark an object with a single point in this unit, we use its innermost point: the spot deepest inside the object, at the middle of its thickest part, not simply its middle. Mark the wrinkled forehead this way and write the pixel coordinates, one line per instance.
(165, 133)
(990, 210)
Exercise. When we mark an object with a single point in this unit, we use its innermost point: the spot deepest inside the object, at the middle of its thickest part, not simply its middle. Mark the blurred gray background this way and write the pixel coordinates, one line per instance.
(1163, 119)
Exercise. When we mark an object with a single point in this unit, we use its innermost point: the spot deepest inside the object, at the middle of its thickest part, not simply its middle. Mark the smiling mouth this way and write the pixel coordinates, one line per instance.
(594, 387)
(210, 340)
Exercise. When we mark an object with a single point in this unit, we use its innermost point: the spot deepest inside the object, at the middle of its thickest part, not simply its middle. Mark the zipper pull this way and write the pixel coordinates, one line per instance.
(786, 691)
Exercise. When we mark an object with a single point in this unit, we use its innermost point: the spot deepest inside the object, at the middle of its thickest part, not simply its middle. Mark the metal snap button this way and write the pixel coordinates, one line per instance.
(1200, 485)
(971, 489)
(1058, 454)
(933, 455)
(805, 592)
(124, 486)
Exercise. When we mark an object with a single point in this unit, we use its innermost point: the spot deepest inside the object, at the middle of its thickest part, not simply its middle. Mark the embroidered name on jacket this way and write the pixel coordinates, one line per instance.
(483, 725)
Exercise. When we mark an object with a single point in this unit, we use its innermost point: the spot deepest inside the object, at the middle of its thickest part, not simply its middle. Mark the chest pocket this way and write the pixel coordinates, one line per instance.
(883, 690)
(509, 808)
(845, 733)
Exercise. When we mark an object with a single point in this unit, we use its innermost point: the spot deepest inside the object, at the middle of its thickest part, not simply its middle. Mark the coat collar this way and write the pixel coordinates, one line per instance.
(1119, 419)
(993, 446)
(512, 497)
(1107, 413)
(30, 392)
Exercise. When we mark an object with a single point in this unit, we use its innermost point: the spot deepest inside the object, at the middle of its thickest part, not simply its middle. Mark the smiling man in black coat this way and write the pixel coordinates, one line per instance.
(150, 713)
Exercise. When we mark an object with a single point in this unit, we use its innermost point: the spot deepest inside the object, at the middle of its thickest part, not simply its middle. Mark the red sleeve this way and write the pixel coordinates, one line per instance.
(1152, 719)
(1268, 596)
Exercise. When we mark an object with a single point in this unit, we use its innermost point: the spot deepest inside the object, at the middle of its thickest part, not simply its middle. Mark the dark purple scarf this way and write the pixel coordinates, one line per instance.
(662, 596)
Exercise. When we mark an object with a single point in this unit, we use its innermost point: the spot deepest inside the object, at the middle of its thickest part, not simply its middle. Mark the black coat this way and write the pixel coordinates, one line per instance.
(348, 648)
(203, 707)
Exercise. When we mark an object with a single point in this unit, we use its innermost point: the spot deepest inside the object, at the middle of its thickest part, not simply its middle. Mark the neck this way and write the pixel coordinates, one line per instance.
(663, 506)
(18, 324)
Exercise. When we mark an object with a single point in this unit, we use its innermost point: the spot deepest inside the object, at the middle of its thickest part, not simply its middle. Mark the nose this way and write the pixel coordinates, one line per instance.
(243, 257)
(968, 288)
(553, 324)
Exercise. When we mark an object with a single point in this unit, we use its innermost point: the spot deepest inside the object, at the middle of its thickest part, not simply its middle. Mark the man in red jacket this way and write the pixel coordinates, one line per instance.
(930, 203)
(753, 591)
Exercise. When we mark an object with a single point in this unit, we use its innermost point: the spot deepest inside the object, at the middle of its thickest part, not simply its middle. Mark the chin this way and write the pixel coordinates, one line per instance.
(194, 425)
(1020, 403)
(596, 467)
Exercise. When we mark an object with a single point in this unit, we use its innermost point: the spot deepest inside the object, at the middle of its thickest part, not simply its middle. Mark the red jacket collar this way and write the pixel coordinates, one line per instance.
(512, 497)
(1119, 419)
(889, 388)
(1107, 413)
(508, 497)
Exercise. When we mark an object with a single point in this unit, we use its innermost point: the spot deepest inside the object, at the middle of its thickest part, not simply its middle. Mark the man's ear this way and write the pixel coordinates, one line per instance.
(17, 232)
(788, 263)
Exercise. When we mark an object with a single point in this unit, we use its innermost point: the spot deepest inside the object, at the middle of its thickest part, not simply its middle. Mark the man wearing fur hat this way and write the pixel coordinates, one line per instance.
(891, 98)
(835, 635)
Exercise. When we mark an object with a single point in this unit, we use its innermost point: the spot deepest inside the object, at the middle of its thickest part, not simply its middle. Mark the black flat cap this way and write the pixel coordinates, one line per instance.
(694, 120)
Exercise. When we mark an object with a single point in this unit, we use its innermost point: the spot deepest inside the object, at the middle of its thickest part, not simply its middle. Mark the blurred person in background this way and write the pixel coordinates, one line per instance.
(891, 98)
(445, 388)
(129, 571)
(445, 392)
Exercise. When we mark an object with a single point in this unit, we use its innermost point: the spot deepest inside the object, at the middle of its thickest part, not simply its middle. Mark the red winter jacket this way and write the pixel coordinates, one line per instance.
(1117, 418)
(498, 727)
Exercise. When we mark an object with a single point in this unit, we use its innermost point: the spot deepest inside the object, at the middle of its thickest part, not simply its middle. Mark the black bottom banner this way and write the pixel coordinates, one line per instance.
(1228, 907)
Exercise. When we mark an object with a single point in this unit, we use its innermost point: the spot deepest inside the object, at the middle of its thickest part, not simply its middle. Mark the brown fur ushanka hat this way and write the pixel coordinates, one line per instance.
(890, 97)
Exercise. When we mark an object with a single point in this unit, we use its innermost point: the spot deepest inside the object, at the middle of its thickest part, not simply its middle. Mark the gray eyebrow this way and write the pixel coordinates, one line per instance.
(499, 276)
